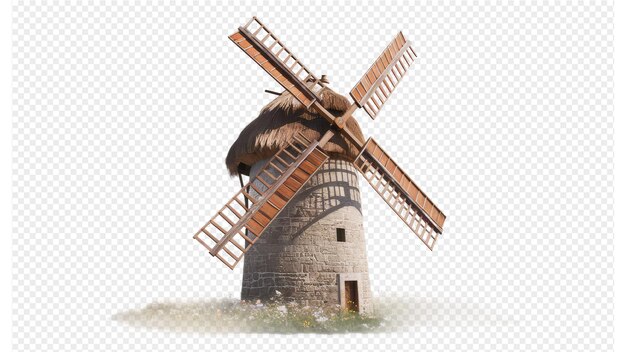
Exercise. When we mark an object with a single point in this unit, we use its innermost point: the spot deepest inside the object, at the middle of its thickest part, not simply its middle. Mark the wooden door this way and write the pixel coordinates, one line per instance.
(352, 296)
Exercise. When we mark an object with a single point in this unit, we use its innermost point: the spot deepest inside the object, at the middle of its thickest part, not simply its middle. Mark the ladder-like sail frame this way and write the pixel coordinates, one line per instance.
(230, 233)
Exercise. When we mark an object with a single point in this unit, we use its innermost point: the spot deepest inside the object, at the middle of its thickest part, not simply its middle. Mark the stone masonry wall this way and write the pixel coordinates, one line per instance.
(299, 254)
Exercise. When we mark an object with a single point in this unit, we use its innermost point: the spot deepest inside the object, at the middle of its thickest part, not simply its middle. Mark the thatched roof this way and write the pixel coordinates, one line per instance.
(283, 117)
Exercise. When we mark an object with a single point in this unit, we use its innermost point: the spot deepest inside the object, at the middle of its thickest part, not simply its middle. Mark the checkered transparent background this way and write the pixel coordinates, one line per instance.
(123, 114)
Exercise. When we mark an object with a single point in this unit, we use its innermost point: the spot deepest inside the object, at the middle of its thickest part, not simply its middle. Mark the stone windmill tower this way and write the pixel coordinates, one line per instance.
(301, 205)
(316, 243)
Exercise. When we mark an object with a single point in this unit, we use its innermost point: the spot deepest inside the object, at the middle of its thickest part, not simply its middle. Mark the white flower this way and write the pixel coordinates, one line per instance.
(321, 319)
(319, 316)
(278, 293)
(282, 309)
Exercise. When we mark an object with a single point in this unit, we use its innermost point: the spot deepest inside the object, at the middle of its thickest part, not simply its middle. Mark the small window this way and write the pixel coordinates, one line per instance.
(341, 235)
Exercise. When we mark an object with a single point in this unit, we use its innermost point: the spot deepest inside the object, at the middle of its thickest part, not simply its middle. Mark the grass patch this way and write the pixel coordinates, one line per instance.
(232, 315)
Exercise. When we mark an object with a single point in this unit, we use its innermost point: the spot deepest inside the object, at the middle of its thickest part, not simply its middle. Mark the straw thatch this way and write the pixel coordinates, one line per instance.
(281, 119)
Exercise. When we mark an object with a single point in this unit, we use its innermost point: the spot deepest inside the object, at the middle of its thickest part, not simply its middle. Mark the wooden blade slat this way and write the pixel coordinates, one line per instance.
(252, 39)
(280, 166)
(412, 205)
(249, 196)
(278, 201)
(392, 63)
(242, 204)
(263, 182)
(224, 237)
(268, 174)
(210, 235)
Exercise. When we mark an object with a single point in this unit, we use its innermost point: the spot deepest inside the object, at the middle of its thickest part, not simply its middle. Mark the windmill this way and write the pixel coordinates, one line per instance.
(239, 224)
